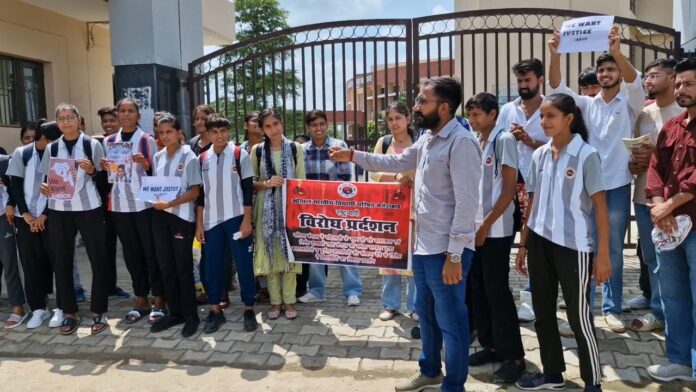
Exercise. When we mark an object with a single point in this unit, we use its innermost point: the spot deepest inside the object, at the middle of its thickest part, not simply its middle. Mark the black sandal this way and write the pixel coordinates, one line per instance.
(99, 324)
(135, 315)
(71, 323)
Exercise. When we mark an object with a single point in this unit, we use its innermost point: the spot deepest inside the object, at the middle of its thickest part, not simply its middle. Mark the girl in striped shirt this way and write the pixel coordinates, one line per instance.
(174, 225)
(566, 185)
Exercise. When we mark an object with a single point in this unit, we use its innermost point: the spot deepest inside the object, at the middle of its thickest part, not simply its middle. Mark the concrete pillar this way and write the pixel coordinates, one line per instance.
(152, 42)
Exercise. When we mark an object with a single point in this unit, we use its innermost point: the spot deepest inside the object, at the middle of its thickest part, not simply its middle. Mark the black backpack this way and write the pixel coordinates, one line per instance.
(293, 147)
(86, 147)
(517, 214)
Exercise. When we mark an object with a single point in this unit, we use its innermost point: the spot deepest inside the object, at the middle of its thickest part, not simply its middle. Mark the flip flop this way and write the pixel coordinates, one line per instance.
(99, 324)
(273, 314)
(71, 323)
(134, 315)
(14, 320)
(291, 314)
(156, 314)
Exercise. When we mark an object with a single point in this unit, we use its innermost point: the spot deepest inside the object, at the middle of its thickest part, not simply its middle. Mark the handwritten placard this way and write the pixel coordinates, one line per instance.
(588, 34)
(159, 188)
(62, 176)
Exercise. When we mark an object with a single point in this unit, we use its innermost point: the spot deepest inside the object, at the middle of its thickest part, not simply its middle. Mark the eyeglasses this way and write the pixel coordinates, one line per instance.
(66, 118)
(422, 101)
(653, 76)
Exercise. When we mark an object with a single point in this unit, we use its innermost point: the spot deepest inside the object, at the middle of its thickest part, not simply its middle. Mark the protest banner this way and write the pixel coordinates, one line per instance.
(62, 175)
(351, 224)
(588, 34)
(159, 188)
(120, 158)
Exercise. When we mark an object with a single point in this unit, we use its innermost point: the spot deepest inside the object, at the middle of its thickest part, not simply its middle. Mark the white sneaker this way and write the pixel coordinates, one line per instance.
(353, 300)
(387, 314)
(646, 323)
(614, 323)
(526, 312)
(671, 372)
(57, 319)
(310, 298)
(37, 318)
(565, 330)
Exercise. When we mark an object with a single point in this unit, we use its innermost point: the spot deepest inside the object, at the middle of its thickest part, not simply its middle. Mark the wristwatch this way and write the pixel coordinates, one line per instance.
(454, 258)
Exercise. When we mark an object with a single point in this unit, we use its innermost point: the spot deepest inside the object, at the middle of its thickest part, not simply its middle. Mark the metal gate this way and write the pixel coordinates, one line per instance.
(353, 69)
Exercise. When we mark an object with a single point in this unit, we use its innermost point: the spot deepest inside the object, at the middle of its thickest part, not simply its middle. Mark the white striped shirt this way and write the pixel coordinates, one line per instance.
(4, 194)
(224, 199)
(86, 197)
(562, 193)
(124, 195)
(36, 202)
(491, 184)
(184, 164)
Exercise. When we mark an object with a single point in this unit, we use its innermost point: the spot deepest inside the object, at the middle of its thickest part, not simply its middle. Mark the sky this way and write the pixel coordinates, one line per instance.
(303, 12)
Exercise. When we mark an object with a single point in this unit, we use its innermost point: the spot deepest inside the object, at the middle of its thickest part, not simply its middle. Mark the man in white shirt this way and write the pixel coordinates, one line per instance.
(610, 116)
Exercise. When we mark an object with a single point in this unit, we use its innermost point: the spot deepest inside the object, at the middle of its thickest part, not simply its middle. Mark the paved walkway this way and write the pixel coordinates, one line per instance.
(327, 340)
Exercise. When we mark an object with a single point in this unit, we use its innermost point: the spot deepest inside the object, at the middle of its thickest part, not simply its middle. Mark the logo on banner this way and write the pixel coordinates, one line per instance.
(570, 172)
(347, 190)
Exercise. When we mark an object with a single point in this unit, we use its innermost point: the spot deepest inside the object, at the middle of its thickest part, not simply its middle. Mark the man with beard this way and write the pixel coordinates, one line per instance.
(521, 118)
(672, 188)
(447, 160)
(659, 82)
(610, 116)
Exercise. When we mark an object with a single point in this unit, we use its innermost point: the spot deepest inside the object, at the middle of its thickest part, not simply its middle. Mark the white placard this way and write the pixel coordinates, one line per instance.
(159, 188)
(588, 34)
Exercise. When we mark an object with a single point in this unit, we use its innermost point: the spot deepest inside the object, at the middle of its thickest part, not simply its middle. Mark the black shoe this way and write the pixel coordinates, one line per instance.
(592, 388)
(483, 357)
(250, 323)
(214, 321)
(190, 327)
(166, 323)
(415, 332)
(510, 372)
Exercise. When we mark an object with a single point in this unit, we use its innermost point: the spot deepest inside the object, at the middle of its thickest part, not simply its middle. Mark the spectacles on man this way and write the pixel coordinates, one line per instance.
(422, 101)
(654, 76)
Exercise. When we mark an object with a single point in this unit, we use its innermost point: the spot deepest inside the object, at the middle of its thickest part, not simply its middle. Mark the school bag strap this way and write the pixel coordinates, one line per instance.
(293, 147)
(386, 141)
(27, 153)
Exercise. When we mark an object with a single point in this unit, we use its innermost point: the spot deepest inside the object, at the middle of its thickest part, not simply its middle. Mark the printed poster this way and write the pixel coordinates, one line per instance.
(120, 158)
(351, 224)
(159, 188)
(62, 175)
(588, 34)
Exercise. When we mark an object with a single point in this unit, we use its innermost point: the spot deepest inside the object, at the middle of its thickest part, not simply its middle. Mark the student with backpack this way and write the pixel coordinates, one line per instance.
(493, 304)
(567, 186)
(275, 160)
(132, 218)
(400, 138)
(174, 225)
(82, 213)
(31, 224)
(223, 219)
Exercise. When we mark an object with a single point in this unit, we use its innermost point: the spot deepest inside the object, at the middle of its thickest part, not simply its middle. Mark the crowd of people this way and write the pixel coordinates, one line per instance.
(554, 168)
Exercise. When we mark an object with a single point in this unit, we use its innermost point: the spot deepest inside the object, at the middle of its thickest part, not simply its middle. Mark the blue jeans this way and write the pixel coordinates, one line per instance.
(619, 206)
(443, 318)
(350, 276)
(647, 247)
(215, 241)
(676, 274)
(391, 292)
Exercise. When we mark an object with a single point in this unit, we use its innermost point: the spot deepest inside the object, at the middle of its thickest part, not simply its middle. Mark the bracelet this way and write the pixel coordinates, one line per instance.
(522, 246)
(265, 184)
(352, 152)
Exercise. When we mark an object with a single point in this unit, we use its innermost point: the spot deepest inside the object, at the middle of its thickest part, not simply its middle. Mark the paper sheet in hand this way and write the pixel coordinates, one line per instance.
(637, 142)
(120, 157)
(62, 175)
(588, 34)
(159, 188)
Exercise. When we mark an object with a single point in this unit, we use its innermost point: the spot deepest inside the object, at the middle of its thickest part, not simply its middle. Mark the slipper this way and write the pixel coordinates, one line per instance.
(225, 303)
(134, 315)
(291, 314)
(14, 321)
(71, 323)
(273, 314)
(99, 324)
(156, 314)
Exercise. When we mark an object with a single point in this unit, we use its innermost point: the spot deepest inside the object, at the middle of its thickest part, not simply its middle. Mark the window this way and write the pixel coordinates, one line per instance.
(22, 95)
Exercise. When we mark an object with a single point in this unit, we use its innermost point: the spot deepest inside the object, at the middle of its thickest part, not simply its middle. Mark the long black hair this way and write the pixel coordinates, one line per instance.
(402, 109)
(266, 113)
(566, 104)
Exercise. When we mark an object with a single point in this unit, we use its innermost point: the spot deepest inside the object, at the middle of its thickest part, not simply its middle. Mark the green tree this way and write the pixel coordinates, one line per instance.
(255, 75)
